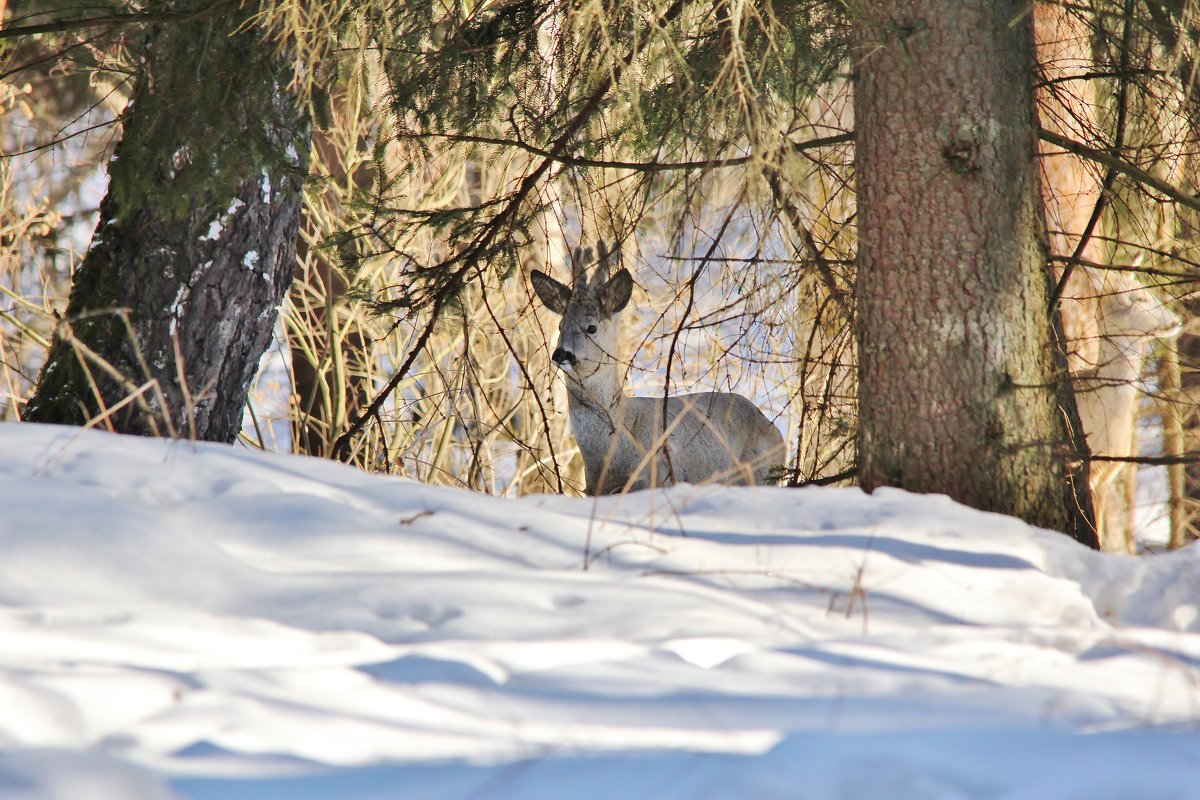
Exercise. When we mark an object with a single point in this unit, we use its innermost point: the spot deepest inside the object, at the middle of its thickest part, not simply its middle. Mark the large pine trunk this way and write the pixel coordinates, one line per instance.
(957, 380)
(175, 301)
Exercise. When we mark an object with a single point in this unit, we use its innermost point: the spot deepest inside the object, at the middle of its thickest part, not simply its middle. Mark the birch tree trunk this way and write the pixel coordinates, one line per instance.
(176, 299)
(957, 383)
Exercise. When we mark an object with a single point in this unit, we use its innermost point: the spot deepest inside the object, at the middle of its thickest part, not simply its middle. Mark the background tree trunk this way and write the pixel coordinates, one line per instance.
(1185, 495)
(1071, 193)
(175, 301)
(328, 348)
(957, 386)
(1185, 513)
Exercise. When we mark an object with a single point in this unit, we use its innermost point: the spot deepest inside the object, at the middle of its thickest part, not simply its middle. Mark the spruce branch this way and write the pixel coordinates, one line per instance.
(633, 166)
(470, 257)
(113, 20)
(1133, 171)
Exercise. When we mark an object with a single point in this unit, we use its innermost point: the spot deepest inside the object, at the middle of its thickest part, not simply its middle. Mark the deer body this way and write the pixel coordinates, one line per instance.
(1107, 393)
(631, 443)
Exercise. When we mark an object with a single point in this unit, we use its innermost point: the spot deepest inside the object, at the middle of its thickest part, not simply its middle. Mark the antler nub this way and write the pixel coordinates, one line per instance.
(602, 270)
(580, 258)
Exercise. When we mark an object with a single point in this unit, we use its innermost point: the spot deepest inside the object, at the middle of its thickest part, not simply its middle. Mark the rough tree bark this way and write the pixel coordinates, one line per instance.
(176, 299)
(957, 382)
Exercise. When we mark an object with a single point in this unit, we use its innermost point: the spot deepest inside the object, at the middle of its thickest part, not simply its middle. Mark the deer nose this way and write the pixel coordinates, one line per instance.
(562, 357)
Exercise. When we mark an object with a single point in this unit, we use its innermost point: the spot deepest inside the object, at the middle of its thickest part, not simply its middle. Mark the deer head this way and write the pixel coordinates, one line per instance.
(1130, 309)
(587, 335)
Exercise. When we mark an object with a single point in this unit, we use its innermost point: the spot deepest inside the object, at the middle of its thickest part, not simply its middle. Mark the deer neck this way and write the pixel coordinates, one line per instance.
(1120, 359)
(596, 398)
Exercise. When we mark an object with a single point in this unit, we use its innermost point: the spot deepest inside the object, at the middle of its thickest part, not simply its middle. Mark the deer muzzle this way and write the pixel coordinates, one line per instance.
(563, 358)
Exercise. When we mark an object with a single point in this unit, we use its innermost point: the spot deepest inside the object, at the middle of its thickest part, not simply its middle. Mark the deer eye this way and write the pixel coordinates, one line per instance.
(591, 328)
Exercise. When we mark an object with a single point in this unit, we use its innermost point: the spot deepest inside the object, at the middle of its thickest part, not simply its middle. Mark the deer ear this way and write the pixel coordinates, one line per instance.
(553, 294)
(617, 292)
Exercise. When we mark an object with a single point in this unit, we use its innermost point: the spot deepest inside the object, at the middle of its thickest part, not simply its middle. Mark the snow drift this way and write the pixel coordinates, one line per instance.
(199, 621)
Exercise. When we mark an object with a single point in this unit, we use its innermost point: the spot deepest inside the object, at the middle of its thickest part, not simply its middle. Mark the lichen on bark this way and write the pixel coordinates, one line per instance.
(194, 250)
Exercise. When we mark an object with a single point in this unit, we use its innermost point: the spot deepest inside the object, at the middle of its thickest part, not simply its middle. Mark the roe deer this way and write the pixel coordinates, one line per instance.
(1107, 394)
(633, 443)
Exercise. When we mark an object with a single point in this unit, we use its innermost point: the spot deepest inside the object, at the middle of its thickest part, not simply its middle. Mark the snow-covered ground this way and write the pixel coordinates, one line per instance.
(199, 621)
